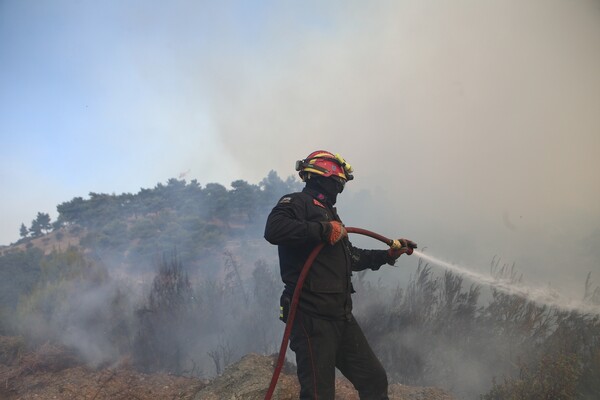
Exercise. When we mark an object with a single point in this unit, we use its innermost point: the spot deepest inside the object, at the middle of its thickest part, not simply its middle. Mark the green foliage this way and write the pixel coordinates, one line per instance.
(244, 198)
(19, 273)
(74, 211)
(138, 227)
(55, 272)
(69, 265)
(59, 273)
(23, 231)
(176, 213)
(112, 236)
(74, 303)
(272, 187)
(40, 225)
(44, 300)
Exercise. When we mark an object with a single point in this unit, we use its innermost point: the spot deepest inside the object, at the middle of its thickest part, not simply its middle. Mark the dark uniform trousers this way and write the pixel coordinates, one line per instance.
(322, 345)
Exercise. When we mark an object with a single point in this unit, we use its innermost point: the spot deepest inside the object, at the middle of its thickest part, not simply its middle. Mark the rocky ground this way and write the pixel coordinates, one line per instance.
(52, 372)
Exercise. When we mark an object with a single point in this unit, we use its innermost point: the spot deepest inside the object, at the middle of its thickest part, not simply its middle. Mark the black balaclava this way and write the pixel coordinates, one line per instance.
(327, 186)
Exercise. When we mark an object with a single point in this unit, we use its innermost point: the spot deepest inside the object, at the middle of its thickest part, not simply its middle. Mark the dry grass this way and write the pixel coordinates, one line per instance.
(53, 372)
(11, 348)
(56, 240)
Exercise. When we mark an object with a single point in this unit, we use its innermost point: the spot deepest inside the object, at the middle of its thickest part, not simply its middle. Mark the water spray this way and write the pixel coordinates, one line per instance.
(542, 296)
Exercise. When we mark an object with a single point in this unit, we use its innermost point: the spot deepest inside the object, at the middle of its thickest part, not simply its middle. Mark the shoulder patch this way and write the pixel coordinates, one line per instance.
(285, 200)
(318, 203)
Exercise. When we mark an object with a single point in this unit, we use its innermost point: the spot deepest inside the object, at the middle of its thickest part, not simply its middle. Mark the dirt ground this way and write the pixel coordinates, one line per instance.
(82, 383)
(52, 372)
(248, 378)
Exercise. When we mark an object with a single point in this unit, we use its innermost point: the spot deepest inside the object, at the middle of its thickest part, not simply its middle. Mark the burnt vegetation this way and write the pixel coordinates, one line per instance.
(178, 279)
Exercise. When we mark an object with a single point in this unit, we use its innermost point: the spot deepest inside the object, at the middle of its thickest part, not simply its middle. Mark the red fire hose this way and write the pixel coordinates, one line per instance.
(296, 296)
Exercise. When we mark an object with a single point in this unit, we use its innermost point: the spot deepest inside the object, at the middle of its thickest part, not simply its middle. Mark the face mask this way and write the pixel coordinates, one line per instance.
(330, 187)
(340, 183)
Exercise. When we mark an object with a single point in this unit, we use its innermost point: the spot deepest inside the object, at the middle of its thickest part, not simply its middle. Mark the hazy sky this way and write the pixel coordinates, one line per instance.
(473, 127)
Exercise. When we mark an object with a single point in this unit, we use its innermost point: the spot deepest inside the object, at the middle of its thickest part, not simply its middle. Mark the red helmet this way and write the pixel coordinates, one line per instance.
(324, 163)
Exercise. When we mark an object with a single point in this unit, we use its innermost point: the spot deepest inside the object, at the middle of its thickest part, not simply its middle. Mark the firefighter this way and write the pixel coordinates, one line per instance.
(325, 335)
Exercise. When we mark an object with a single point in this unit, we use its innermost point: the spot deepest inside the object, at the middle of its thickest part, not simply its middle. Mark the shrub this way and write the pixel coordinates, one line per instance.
(553, 377)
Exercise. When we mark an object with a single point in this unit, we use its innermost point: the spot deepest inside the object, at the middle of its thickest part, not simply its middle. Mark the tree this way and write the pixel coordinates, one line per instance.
(41, 224)
(166, 324)
(23, 231)
(217, 199)
(273, 187)
(74, 211)
(243, 199)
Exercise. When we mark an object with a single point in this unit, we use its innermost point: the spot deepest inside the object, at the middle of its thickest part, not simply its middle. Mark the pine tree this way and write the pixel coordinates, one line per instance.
(23, 231)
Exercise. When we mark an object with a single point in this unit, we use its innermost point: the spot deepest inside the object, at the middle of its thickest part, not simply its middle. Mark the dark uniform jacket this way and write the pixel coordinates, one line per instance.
(297, 224)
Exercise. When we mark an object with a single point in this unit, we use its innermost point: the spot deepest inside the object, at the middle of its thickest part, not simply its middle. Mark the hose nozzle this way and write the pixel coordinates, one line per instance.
(395, 244)
(407, 245)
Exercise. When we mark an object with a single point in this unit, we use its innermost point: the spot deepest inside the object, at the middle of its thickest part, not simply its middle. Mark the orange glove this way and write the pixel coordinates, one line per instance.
(336, 233)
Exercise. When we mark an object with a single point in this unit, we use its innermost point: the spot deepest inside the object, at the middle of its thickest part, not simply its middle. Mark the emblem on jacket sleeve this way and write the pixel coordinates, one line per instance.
(285, 200)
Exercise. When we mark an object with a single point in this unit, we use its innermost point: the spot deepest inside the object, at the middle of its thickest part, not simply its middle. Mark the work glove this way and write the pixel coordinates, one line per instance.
(334, 231)
(399, 247)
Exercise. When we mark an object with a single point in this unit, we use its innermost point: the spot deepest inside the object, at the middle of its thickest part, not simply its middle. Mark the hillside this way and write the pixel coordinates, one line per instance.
(57, 240)
(54, 373)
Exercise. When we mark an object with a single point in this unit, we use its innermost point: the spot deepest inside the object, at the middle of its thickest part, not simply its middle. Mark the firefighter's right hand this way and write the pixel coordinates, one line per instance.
(401, 246)
(409, 245)
(334, 231)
